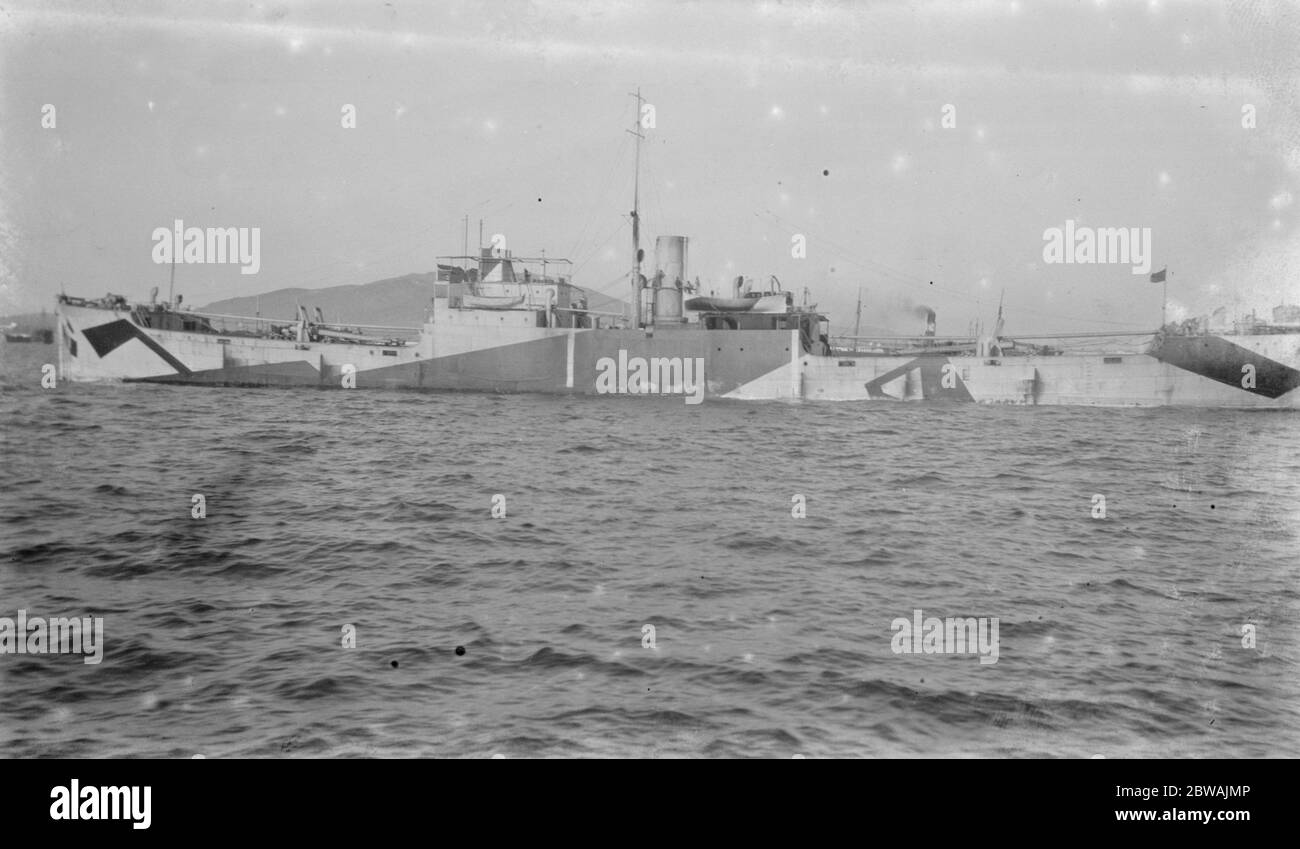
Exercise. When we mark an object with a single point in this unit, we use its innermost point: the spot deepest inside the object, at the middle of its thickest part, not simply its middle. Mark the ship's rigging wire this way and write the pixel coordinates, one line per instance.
(868, 264)
(847, 255)
(620, 280)
(655, 196)
(623, 223)
(891, 275)
(607, 183)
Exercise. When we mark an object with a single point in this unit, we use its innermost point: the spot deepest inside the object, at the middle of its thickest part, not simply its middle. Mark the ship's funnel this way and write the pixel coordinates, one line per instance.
(670, 258)
(670, 277)
(668, 305)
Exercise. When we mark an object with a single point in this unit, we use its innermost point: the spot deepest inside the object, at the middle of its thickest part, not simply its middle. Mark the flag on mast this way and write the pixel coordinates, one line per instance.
(1159, 276)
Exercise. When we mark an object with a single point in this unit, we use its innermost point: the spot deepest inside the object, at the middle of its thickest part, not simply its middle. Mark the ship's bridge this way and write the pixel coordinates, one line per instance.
(499, 281)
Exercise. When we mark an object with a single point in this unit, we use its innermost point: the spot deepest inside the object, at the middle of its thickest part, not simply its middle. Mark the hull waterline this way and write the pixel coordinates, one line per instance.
(504, 351)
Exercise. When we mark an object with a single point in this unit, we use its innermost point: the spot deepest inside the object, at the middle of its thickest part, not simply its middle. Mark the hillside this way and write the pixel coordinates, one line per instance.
(397, 301)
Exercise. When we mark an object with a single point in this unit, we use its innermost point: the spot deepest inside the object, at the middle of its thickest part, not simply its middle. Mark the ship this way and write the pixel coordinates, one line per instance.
(503, 323)
(43, 335)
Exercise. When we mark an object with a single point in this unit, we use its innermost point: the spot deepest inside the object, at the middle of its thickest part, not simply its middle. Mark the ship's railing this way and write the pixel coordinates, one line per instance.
(294, 320)
(1098, 342)
(595, 319)
(1110, 342)
(884, 344)
(244, 325)
(476, 269)
(592, 312)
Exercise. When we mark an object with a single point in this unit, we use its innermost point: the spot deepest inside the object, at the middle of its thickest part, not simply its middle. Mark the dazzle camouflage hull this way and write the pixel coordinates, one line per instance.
(507, 351)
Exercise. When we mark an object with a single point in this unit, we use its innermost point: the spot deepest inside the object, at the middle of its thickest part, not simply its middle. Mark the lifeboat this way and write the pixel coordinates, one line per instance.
(491, 302)
(705, 304)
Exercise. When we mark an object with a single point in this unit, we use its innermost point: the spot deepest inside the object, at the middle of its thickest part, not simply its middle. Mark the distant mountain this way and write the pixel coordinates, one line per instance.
(604, 303)
(398, 301)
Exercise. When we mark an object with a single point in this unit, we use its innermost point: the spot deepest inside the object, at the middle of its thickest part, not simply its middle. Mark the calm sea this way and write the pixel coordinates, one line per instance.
(523, 636)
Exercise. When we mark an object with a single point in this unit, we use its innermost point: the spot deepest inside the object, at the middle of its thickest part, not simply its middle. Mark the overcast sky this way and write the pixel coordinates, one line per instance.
(772, 119)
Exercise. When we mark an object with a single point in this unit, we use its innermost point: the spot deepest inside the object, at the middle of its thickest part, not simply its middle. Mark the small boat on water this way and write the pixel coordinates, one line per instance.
(44, 336)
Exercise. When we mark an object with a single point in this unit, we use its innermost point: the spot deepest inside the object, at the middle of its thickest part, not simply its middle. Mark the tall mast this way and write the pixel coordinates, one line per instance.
(636, 214)
(857, 322)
